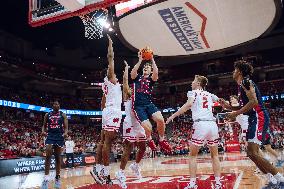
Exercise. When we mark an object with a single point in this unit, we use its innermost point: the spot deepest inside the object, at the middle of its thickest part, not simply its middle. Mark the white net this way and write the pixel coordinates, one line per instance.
(94, 23)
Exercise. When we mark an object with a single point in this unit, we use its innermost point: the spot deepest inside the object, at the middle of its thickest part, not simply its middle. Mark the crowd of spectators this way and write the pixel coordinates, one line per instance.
(45, 99)
(20, 130)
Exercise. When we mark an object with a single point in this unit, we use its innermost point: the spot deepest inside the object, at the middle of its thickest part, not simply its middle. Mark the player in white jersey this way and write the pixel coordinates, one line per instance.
(133, 133)
(111, 118)
(204, 128)
(240, 119)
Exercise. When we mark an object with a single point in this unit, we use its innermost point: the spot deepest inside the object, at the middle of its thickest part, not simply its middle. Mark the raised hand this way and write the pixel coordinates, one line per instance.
(169, 119)
(126, 65)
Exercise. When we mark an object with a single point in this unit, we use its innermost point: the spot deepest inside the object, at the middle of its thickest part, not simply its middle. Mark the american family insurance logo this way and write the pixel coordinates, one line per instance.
(190, 37)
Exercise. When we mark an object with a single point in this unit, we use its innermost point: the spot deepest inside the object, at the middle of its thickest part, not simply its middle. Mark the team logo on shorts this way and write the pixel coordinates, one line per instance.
(115, 120)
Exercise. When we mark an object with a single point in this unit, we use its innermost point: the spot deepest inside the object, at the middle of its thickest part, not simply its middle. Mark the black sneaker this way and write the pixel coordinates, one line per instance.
(108, 180)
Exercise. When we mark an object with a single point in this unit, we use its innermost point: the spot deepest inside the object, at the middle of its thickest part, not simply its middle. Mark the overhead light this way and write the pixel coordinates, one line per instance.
(110, 29)
(99, 57)
(82, 74)
(33, 63)
(85, 77)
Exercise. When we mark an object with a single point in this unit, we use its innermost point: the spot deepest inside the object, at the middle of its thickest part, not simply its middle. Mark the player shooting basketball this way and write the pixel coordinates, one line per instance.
(133, 134)
(143, 108)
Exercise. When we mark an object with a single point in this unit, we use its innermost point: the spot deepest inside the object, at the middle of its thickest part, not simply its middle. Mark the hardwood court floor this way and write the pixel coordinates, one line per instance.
(158, 173)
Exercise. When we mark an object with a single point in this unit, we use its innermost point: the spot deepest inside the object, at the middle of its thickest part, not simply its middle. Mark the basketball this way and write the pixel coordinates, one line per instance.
(147, 53)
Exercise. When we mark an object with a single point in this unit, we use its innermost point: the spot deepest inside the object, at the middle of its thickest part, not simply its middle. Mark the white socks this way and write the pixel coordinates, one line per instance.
(271, 178)
(106, 170)
(279, 177)
(46, 177)
(217, 179)
(99, 167)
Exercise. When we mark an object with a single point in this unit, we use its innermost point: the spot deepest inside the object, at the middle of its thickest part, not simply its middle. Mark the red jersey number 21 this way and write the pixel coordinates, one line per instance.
(205, 102)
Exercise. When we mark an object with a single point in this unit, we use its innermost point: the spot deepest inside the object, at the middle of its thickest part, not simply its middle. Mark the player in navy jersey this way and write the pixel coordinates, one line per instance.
(251, 104)
(143, 107)
(55, 129)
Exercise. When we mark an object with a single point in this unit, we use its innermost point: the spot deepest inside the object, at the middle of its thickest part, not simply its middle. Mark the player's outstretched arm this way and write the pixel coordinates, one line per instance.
(155, 74)
(134, 71)
(126, 88)
(226, 105)
(65, 122)
(182, 110)
(250, 105)
(110, 58)
(44, 124)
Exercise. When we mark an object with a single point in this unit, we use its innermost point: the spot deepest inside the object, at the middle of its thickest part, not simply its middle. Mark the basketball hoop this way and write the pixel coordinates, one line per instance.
(94, 23)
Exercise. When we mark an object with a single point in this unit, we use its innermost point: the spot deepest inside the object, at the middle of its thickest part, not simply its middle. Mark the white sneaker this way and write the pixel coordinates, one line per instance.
(218, 186)
(189, 186)
(271, 178)
(119, 175)
(136, 170)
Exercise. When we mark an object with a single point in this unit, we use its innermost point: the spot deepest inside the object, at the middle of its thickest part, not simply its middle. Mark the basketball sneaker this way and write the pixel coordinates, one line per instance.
(218, 186)
(136, 170)
(44, 184)
(279, 163)
(96, 176)
(152, 145)
(57, 184)
(120, 177)
(165, 146)
(108, 180)
(272, 186)
(191, 186)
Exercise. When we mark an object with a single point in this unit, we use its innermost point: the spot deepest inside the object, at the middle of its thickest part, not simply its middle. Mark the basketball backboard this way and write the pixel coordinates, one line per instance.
(46, 11)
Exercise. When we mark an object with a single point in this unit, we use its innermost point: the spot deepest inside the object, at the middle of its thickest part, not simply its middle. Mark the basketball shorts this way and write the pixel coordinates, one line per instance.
(258, 129)
(53, 142)
(144, 112)
(111, 119)
(133, 131)
(205, 132)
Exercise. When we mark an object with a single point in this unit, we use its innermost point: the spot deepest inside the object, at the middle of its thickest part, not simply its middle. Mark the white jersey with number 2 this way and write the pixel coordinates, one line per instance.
(202, 105)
